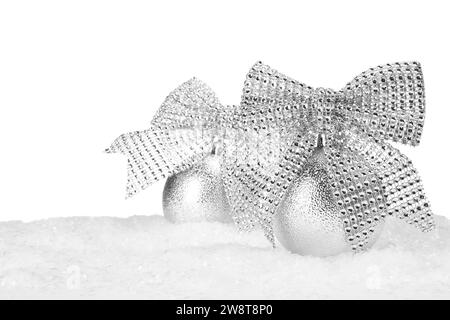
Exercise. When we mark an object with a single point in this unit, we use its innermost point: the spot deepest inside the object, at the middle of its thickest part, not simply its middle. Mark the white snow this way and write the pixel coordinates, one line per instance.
(149, 257)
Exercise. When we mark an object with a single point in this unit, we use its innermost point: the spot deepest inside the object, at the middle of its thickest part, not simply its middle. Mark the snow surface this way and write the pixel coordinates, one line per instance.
(149, 257)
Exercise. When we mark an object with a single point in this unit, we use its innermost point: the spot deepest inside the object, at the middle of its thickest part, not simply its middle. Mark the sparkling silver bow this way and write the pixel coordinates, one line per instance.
(267, 139)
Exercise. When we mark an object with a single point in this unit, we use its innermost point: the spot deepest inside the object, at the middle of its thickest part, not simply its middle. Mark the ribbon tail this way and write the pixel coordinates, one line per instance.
(401, 183)
(155, 154)
(358, 192)
(260, 164)
(255, 189)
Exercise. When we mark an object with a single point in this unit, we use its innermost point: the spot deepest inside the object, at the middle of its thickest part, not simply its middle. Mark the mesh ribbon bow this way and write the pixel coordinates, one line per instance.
(267, 139)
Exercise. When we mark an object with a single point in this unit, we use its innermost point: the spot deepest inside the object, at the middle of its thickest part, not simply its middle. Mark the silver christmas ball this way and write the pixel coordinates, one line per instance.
(197, 194)
(308, 221)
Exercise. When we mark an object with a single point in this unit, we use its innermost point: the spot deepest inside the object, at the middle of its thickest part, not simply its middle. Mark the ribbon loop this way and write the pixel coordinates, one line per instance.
(388, 102)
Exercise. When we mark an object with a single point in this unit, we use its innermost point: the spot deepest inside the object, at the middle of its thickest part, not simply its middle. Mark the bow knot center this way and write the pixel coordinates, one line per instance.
(324, 105)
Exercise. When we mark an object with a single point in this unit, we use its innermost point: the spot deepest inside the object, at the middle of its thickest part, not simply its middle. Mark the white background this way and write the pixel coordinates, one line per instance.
(76, 74)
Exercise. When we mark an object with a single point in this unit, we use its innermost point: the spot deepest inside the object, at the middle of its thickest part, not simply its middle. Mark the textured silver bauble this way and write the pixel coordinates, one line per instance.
(197, 194)
(308, 221)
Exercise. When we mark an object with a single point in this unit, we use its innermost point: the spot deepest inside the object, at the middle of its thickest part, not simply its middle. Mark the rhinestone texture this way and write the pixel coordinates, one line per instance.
(268, 138)
(181, 134)
(261, 158)
(369, 178)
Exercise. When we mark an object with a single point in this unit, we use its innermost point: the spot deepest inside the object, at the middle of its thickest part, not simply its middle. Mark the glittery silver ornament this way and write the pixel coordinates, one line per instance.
(308, 221)
(197, 194)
